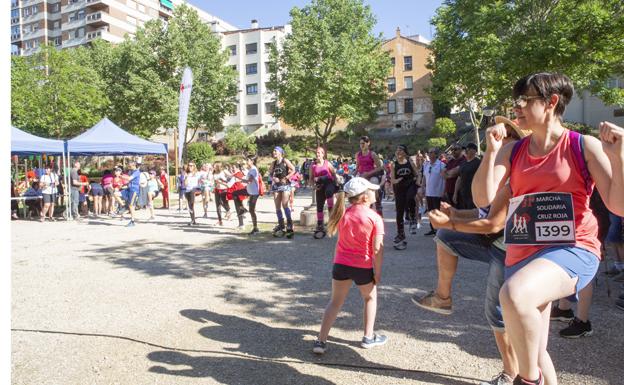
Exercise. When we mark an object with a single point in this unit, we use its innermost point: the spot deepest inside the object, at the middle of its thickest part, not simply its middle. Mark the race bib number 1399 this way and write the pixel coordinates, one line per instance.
(540, 219)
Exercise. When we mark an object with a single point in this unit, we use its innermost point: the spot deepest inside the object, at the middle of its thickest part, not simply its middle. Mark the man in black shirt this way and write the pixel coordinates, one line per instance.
(463, 191)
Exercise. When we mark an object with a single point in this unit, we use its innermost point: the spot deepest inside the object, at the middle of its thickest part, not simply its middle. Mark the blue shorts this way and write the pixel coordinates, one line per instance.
(479, 248)
(615, 229)
(132, 198)
(575, 261)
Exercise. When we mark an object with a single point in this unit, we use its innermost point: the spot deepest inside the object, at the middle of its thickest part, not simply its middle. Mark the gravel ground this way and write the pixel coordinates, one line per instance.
(162, 303)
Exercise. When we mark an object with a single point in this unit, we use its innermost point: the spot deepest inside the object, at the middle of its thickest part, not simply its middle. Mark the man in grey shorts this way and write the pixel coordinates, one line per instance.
(477, 243)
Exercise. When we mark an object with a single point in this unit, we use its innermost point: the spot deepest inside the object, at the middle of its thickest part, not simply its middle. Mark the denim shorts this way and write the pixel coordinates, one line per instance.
(615, 229)
(478, 248)
(575, 261)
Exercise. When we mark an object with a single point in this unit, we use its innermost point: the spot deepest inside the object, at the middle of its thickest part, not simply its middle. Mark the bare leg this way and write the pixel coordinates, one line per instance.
(508, 356)
(544, 361)
(340, 290)
(369, 295)
(447, 267)
(524, 298)
(51, 212)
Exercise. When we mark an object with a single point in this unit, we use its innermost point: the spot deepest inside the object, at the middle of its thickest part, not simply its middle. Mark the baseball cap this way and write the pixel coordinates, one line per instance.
(358, 185)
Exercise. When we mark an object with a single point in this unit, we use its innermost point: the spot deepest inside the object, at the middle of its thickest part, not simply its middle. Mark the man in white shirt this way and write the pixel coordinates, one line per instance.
(48, 183)
(433, 182)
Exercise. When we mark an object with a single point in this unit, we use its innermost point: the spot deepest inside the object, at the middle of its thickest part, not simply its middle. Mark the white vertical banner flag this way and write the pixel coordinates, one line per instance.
(185, 99)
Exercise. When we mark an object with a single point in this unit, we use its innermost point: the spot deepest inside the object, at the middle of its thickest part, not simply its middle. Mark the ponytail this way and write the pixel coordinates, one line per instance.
(336, 213)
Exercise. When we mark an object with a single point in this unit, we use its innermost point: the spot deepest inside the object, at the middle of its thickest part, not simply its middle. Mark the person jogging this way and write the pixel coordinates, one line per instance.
(254, 184)
(221, 177)
(402, 175)
(552, 172)
(358, 258)
(281, 170)
(369, 166)
(191, 187)
(206, 182)
(324, 177)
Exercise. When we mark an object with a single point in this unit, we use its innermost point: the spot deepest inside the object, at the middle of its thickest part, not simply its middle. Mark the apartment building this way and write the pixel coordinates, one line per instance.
(71, 23)
(408, 107)
(249, 56)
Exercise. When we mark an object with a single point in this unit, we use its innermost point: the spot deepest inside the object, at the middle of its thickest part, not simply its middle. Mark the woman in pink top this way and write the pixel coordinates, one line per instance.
(324, 177)
(358, 258)
(553, 250)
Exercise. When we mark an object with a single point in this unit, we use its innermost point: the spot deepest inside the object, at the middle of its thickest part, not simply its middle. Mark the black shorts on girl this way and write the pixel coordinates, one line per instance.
(360, 276)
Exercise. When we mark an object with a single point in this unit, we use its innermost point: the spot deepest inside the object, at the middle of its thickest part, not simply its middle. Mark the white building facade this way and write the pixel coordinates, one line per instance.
(249, 56)
(590, 110)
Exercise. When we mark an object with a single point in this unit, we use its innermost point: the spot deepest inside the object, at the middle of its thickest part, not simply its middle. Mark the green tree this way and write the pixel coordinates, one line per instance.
(329, 68)
(482, 47)
(200, 152)
(436, 142)
(237, 141)
(54, 94)
(144, 74)
(444, 128)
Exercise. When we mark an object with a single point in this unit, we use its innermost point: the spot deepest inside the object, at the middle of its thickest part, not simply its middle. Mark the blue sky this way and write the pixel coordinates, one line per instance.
(412, 16)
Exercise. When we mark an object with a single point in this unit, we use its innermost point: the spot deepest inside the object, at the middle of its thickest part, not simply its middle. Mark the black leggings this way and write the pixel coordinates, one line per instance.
(323, 193)
(252, 210)
(404, 201)
(238, 204)
(221, 200)
(190, 199)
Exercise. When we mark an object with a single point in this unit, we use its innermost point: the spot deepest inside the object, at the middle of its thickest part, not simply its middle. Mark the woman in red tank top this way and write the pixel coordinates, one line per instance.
(552, 251)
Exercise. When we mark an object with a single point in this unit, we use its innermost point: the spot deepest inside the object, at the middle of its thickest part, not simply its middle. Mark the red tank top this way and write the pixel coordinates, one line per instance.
(554, 172)
(365, 163)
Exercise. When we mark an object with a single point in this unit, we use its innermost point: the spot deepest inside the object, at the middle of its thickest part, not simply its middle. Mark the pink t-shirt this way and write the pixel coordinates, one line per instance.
(356, 234)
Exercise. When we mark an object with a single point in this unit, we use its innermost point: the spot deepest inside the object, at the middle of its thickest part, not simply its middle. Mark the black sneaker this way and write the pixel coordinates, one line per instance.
(577, 329)
(377, 340)
(254, 231)
(431, 232)
(557, 314)
(319, 347)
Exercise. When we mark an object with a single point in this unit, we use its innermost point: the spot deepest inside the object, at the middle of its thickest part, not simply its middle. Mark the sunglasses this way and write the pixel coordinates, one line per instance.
(523, 100)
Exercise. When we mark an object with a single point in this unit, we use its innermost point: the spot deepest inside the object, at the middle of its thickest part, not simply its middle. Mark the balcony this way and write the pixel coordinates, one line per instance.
(70, 7)
(26, 35)
(74, 41)
(15, 20)
(73, 23)
(98, 19)
(14, 4)
(34, 17)
(15, 37)
(97, 5)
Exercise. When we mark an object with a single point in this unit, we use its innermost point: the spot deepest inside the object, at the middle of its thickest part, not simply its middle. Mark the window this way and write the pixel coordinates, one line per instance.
(14, 13)
(392, 106)
(269, 107)
(251, 69)
(15, 30)
(407, 63)
(80, 32)
(266, 67)
(252, 109)
(131, 20)
(56, 25)
(55, 8)
(251, 48)
(391, 85)
(267, 47)
(57, 41)
(252, 89)
(408, 83)
(408, 106)
(233, 67)
(81, 15)
(393, 61)
(232, 49)
(132, 4)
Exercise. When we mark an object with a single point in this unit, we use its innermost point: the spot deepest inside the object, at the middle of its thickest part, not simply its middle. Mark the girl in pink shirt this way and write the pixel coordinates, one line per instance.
(358, 258)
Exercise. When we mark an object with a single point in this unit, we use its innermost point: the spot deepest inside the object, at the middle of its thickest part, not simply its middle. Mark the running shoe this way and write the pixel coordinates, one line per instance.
(130, 224)
(431, 301)
(398, 238)
(319, 347)
(501, 379)
(557, 314)
(151, 218)
(431, 232)
(577, 329)
(413, 229)
(521, 381)
(377, 340)
(254, 231)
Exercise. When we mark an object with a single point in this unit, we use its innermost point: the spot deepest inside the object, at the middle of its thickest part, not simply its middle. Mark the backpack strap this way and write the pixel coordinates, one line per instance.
(578, 150)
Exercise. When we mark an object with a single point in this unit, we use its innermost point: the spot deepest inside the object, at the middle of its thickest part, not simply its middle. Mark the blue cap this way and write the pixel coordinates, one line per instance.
(278, 148)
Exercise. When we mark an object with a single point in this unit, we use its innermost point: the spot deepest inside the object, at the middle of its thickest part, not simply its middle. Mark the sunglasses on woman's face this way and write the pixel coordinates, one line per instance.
(522, 100)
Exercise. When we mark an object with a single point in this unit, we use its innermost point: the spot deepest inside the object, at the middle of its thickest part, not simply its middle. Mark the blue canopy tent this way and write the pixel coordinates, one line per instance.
(23, 143)
(107, 138)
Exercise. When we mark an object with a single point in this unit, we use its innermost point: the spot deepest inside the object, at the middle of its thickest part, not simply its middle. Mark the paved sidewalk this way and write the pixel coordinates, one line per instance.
(94, 302)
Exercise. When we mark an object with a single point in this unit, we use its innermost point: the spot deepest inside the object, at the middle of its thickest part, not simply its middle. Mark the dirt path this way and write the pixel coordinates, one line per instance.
(164, 303)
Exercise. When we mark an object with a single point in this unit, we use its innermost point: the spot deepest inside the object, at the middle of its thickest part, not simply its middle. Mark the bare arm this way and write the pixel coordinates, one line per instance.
(494, 169)
(605, 162)
(291, 169)
(378, 261)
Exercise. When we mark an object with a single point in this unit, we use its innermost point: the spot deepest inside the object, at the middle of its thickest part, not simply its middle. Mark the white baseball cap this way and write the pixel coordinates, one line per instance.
(358, 185)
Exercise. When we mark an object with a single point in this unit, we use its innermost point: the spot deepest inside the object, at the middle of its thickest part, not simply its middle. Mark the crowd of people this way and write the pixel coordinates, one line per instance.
(542, 207)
